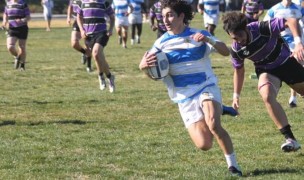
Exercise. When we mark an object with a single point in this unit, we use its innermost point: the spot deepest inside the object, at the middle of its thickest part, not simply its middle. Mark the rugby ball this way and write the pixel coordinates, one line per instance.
(161, 68)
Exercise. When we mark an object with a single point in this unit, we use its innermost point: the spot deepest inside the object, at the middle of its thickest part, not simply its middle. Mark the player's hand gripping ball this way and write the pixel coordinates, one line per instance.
(161, 68)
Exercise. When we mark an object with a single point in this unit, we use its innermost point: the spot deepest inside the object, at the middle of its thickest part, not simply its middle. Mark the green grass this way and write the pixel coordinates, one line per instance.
(56, 124)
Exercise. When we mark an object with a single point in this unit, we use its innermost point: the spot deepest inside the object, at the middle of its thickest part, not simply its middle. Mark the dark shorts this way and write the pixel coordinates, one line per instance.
(75, 26)
(100, 38)
(18, 32)
(291, 72)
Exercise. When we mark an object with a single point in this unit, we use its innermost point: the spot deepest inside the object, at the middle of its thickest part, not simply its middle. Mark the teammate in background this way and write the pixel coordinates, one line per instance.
(194, 88)
(47, 12)
(76, 36)
(253, 9)
(286, 9)
(123, 9)
(16, 15)
(261, 42)
(93, 28)
(136, 19)
(155, 15)
(210, 9)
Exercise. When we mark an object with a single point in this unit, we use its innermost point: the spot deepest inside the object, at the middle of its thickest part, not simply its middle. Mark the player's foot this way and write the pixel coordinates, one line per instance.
(292, 102)
(132, 41)
(290, 145)
(124, 46)
(102, 83)
(83, 59)
(17, 63)
(234, 171)
(89, 69)
(22, 66)
(111, 83)
(229, 111)
(138, 39)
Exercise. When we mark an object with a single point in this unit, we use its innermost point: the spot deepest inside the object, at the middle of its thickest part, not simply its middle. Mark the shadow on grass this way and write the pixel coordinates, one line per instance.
(76, 122)
(259, 172)
(8, 122)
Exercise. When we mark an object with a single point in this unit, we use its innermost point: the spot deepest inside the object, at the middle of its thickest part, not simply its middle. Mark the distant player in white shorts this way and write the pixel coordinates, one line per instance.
(136, 18)
(210, 9)
(122, 9)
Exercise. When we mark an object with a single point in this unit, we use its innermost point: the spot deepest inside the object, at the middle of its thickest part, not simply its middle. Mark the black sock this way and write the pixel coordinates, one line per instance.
(89, 62)
(82, 51)
(286, 131)
(101, 74)
(109, 75)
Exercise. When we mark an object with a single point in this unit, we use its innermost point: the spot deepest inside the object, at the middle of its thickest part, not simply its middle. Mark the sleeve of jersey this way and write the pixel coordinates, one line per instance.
(27, 10)
(235, 60)
(109, 10)
(273, 26)
(79, 11)
(152, 14)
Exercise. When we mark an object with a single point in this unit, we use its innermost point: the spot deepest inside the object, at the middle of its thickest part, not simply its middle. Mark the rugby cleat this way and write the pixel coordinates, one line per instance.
(234, 171)
(111, 84)
(102, 83)
(290, 145)
(229, 111)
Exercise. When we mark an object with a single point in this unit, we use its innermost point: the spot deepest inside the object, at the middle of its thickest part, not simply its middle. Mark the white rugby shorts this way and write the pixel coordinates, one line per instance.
(135, 18)
(121, 21)
(191, 111)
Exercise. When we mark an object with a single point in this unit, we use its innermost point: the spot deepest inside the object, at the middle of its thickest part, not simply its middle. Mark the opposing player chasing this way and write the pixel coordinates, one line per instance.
(76, 36)
(261, 42)
(285, 9)
(191, 82)
(16, 15)
(93, 27)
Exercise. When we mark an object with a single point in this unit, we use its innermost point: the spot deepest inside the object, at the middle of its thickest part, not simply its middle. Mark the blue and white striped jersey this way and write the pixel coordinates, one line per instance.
(281, 11)
(120, 7)
(137, 6)
(190, 70)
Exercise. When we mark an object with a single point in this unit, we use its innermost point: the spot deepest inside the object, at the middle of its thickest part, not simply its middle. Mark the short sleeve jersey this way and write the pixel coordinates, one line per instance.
(16, 11)
(190, 70)
(94, 14)
(266, 47)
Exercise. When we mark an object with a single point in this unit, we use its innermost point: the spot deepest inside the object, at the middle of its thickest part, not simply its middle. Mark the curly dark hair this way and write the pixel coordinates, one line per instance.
(234, 21)
(179, 6)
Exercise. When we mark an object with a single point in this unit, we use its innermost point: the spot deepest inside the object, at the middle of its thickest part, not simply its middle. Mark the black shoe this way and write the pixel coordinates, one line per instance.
(22, 67)
(234, 171)
(292, 105)
(229, 111)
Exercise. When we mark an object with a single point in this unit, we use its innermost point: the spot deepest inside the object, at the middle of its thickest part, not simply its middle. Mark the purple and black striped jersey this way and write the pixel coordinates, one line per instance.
(16, 11)
(155, 12)
(76, 4)
(266, 48)
(94, 14)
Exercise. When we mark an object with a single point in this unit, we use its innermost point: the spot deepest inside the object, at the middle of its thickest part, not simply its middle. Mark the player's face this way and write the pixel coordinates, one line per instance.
(173, 22)
(240, 37)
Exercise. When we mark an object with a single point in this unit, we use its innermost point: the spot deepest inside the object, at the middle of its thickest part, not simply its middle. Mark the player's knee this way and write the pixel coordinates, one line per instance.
(267, 92)
(204, 146)
(11, 47)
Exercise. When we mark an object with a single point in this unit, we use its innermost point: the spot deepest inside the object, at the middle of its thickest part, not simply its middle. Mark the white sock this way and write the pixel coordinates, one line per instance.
(231, 160)
(292, 99)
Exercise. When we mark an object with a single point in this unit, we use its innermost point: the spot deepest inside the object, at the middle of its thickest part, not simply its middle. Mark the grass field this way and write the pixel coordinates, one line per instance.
(56, 124)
